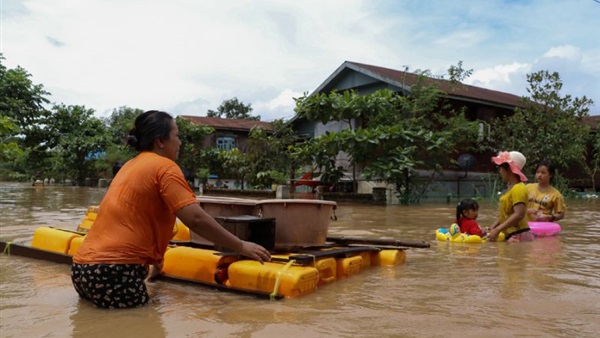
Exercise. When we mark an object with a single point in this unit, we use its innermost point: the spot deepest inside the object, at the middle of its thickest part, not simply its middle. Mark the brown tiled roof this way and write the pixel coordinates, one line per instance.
(228, 124)
(462, 91)
(591, 121)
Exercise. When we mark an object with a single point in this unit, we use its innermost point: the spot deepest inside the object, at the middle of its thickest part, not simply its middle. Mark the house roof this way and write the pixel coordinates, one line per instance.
(593, 121)
(227, 124)
(404, 81)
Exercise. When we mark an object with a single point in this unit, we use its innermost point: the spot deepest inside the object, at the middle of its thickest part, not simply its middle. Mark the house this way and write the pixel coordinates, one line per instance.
(229, 133)
(480, 104)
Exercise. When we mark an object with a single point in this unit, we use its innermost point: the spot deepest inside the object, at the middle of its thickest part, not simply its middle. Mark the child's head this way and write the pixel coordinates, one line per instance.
(467, 208)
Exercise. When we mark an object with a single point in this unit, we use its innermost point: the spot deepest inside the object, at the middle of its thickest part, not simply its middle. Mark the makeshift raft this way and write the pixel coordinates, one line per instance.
(288, 275)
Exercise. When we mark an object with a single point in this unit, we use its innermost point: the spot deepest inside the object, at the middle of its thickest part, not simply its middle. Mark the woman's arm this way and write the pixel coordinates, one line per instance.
(519, 211)
(552, 217)
(195, 218)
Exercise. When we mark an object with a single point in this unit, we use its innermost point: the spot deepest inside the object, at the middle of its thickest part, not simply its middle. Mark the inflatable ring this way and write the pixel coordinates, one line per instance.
(544, 229)
(454, 235)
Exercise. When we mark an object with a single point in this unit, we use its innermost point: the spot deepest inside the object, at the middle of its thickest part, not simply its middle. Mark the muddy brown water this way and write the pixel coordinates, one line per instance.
(547, 288)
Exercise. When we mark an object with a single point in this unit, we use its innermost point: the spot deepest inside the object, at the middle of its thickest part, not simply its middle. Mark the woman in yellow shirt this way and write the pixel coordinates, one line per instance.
(546, 204)
(513, 203)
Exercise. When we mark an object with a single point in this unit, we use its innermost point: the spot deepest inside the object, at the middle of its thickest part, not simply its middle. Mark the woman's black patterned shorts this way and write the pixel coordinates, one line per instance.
(111, 286)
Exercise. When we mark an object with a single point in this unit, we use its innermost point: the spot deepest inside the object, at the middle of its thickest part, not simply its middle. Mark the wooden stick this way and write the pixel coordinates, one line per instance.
(378, 241)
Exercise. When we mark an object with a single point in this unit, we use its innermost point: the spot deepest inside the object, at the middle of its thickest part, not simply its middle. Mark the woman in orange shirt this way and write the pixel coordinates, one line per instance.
(135, 220)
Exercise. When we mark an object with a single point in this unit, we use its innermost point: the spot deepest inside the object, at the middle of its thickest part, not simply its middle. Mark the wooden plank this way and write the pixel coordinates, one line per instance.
(307, 257)
(378, 241)
(381, 247)
(21, 250)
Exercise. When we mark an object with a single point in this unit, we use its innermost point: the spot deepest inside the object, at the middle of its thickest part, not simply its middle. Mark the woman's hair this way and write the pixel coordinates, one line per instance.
(506, 167)
(549, 165)
(466, 204)
(149, 126)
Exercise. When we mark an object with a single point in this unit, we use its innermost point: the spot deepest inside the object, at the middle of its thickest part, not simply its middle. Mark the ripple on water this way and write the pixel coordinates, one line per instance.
(545, 288)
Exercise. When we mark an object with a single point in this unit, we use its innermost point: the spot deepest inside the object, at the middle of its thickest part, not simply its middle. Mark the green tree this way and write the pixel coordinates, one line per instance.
(118, 125)
(120, 122)
(321, 153)
(10, 151)
(233, 109)
(78, 140)
(391, 135)
(191, 153)
(269, 153)
(22, 102)
(212, 163)
(349, 107)
(548, 126)
(236, 164)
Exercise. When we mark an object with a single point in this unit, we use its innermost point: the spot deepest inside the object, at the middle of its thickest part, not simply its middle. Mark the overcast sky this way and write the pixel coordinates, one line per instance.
(187, 56)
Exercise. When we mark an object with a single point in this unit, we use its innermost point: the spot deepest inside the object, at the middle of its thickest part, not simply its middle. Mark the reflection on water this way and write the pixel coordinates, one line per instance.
(548, 287)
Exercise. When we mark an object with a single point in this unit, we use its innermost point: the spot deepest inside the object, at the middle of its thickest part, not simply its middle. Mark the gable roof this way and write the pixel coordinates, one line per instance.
(593, 121)
(405, 80)
(228, 124)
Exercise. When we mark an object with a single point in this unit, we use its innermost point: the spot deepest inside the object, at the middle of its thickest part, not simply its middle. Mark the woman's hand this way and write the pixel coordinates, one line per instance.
(493, 233)
(255, 251)
(536, 215)
(154, 270)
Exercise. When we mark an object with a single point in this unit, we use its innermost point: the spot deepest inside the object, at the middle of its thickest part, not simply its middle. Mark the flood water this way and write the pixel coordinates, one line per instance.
(546, 288)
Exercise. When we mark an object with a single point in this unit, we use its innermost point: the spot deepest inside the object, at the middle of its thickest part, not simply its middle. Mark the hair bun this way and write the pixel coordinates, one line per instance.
(133, 141)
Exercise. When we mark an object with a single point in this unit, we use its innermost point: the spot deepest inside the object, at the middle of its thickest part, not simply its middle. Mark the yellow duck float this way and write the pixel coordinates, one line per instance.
(454, 235)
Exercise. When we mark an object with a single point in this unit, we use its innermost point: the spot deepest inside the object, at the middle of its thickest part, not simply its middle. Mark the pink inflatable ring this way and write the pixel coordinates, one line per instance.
(543, 229)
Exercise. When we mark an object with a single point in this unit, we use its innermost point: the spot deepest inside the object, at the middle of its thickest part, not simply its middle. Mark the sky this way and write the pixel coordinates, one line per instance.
(188, 56)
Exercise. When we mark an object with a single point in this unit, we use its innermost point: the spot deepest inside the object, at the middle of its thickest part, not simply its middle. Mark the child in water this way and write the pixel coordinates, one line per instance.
(466, 214)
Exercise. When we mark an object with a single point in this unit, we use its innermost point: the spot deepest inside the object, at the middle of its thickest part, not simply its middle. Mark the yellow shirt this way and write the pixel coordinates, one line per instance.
(516, 195)
(547, 202)
(135, 218)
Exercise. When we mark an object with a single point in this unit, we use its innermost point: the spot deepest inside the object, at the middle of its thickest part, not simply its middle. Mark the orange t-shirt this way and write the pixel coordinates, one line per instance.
(135, 218)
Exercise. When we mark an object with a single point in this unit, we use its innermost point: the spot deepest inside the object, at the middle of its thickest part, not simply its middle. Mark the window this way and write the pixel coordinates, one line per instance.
(225, 142)
(484, 131)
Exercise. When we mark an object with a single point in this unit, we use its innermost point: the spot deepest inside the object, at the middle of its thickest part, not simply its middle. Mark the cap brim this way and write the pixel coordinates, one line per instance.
(513, 168)
(497, 160)
(517, 171)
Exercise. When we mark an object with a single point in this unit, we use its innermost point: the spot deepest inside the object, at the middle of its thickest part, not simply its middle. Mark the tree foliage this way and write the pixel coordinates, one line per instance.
(23, 102)
(548, 126)
(9, 147)
(119, 124)
(192, 153)
(233, 109)
(269, 153)
(391, 135)
(78, 139)
(236, 165)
